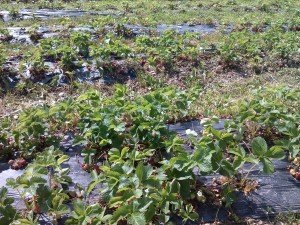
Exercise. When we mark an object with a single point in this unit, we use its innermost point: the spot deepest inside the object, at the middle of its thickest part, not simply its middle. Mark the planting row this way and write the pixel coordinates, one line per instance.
(141, 171)
(116, 56)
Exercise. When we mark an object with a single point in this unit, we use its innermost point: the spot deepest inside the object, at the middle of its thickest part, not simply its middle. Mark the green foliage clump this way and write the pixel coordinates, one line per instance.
(144, 170)
(263, 47)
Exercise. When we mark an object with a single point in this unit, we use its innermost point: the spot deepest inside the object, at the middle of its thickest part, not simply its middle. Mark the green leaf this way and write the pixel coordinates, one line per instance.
(11, 182)
(185, 189)
(294, 151)
(126, 196)
(275, 152)
(137, 219)
(174, 186)
(229, 196)
(120, 213)
(140, 171)
(8, 201)
(202, 157)
(124, 152)
(62, 159)
(38, 180)
(268, 166)
(78, 207)
(238, 162)
(216, 133)
(120, 128)
(239, 151)
(3, 192)
(226, 168)
(150, 212)
(259, 146)
(144, 203)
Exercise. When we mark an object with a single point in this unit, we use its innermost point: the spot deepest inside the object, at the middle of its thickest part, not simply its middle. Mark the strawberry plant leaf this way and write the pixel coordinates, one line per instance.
(137, 218)
(62, 159)
(140, 172)
(120, 213)
(275, 152)
(259, 146)
(150, 212)
(268, 166)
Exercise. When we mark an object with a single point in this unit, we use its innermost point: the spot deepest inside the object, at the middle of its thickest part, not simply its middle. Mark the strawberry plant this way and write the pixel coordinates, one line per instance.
(111, 47)
(276, 118)
(142, 192)
(34, 35)
(123, 31)
(275, 43)
(45, 196)
(7, 144)
(32, 133)
(7, 211)
(5, 35)
(67, 57)
(87, 214)
(3, 76)
(35, 67)
(165, 50)
(49, 46)
(82, 42)
(66, 53)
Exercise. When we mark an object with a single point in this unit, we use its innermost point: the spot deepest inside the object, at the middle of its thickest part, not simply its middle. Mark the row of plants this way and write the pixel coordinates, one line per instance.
(170, 53)
(110, 55)
(38, 128)
(274, 47)
(141, 171)
(166, 47)
(262, 48)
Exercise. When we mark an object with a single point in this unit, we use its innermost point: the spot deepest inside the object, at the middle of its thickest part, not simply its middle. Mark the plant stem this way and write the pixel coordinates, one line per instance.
(250, 170)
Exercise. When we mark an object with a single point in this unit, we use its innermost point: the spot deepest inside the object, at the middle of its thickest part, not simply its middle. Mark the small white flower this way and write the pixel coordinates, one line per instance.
(191, 132)
(200, 197)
